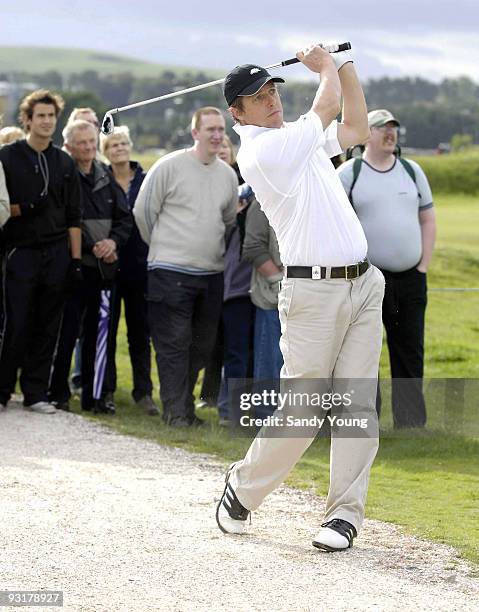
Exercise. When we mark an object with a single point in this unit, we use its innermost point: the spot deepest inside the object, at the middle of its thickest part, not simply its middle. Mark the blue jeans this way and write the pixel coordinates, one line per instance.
(268, 359)
(76, 372)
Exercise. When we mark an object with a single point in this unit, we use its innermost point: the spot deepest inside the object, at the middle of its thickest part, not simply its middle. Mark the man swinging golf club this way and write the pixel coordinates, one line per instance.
(330, 299)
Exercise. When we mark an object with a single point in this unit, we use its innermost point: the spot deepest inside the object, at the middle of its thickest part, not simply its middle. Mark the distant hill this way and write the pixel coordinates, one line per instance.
(36, 60)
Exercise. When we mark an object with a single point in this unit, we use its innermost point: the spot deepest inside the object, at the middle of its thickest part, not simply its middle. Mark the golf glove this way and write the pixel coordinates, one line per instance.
(341, 58)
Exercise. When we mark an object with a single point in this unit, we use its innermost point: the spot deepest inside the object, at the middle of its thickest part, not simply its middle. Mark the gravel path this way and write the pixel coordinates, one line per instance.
(124, 524)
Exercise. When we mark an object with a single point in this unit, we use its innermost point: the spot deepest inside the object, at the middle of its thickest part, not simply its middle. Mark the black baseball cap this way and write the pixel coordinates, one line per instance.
(246, 80)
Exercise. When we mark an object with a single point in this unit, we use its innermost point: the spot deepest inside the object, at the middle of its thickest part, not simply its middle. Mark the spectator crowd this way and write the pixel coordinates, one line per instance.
(187, 251)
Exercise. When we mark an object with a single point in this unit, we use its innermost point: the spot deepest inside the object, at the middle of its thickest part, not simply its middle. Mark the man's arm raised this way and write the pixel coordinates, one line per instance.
(326, 103)
(353, 129)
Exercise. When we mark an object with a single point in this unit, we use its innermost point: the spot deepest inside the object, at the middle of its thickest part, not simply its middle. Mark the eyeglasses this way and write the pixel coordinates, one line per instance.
(386, 128)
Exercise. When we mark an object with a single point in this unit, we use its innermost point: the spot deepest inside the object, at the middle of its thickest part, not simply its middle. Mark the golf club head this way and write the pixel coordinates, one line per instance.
(107, 125)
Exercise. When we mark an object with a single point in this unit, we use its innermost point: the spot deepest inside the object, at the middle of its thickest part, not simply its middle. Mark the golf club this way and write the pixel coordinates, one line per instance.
(108, 125)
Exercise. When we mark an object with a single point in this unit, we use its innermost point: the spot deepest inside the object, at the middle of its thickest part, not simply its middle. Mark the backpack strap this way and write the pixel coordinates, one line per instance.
(410, 170)
(356, 170)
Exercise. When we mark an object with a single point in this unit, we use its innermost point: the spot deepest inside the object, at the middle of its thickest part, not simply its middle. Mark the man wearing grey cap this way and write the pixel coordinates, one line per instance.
(330, 298)
(393, 201)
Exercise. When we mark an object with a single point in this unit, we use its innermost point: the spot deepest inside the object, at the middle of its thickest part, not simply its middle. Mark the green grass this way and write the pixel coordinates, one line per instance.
(37, 60)
(427, 482)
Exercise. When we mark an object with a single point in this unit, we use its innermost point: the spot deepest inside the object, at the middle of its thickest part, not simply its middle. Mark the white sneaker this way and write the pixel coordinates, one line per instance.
(336, 534)
(41, 408)
(231, 515)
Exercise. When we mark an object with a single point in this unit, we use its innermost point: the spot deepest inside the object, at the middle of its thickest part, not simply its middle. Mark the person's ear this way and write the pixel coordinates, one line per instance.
(234, 113)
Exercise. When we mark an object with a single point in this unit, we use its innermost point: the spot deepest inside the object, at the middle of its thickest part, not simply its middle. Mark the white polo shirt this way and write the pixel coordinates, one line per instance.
(300, 193)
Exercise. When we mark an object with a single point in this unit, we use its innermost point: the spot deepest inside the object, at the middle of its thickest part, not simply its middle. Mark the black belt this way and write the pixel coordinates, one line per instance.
(319, 273)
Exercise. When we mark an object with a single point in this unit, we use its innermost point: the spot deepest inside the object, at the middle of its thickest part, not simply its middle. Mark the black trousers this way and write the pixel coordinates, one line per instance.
(212, 375)
(404, 309)
(183, 314)
(81, 310)
(34, 295)
(132, 292)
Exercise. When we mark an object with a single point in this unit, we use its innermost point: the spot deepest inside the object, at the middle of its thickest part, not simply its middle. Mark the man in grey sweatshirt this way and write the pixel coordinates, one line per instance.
(186, 205)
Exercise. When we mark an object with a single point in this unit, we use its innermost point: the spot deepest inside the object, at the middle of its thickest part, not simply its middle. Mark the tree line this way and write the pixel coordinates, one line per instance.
(430, 112)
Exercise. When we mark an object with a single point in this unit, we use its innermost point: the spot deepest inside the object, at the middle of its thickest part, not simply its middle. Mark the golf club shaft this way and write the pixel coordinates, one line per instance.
(294, 60)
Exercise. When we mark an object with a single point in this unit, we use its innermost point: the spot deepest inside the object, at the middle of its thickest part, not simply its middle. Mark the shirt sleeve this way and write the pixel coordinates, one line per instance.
(256, 238)
(282, 155)
(331, 145)
(423, 186)
(345, 173)
(149, 202)
(4, 199)
(73, 204)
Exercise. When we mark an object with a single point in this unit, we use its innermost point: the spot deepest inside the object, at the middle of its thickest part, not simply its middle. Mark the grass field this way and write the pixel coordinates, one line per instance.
(427, 482)
(37, 60)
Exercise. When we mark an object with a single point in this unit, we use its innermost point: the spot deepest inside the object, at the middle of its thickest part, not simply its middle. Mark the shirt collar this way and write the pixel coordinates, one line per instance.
(247, 132)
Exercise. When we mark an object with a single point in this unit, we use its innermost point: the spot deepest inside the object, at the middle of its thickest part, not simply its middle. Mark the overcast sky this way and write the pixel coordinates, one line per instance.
(431, 39)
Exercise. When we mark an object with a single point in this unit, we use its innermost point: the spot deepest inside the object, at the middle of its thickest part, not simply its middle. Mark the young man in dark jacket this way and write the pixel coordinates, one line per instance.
(106, 225)
(45, 208)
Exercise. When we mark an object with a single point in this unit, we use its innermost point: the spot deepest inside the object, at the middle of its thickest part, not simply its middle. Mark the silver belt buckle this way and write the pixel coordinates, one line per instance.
(346, 271)
(316, 272)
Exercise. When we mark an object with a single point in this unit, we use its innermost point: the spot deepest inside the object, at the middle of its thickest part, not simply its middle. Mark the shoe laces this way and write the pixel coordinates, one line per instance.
(345, 528)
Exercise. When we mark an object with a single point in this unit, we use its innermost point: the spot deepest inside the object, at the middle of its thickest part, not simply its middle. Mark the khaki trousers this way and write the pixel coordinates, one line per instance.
(329, 329)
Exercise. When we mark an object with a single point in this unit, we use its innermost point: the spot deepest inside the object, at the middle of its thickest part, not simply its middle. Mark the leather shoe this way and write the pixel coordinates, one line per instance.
(336, 534)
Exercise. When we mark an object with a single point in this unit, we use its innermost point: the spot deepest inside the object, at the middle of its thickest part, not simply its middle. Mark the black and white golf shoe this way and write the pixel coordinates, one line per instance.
(231, 515)
(334, 535)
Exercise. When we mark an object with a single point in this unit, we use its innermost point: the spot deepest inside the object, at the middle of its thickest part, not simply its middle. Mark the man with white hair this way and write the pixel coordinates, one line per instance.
(106, 225)
(86, 113)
